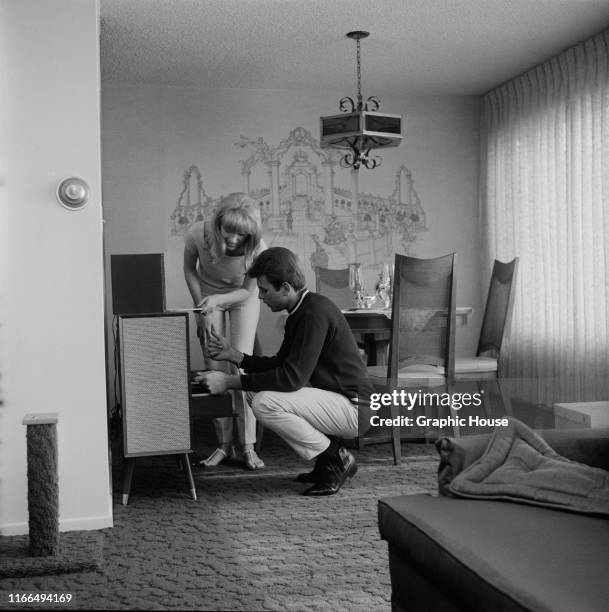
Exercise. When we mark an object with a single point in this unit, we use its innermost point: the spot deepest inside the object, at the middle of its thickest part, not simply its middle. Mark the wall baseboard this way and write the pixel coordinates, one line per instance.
(76, 524)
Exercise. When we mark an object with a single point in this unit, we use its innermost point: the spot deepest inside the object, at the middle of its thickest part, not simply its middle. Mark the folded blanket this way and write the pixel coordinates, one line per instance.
(518, 465)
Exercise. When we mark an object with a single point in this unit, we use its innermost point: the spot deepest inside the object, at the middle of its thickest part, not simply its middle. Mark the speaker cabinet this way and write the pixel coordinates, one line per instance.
(155, 389)
(138, 283)
(155, 384)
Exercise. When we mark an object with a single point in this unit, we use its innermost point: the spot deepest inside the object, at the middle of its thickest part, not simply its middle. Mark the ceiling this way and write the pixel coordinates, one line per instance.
(419, 47)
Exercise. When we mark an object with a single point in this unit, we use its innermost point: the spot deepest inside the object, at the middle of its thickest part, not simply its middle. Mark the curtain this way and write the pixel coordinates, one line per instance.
(544, 198)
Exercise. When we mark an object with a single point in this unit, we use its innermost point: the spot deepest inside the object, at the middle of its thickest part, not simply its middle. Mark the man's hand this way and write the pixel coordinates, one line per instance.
(219, 347)
(215, 382)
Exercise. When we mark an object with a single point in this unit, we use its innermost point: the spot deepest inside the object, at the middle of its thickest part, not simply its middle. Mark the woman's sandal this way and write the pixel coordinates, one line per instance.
(217, 457)
(251, 459)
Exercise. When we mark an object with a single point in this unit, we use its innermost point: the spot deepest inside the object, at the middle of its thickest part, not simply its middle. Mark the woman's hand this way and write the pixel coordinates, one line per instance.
(210, 303)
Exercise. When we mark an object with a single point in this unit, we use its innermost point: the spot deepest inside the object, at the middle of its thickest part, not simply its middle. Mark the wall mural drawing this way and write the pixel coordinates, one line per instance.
(304, 210)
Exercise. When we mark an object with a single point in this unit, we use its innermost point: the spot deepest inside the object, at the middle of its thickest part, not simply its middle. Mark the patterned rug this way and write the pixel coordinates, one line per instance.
(250, 541)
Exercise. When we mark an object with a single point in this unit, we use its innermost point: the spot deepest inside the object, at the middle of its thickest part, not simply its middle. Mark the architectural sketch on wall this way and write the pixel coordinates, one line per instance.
(304, 209)
(193, 204)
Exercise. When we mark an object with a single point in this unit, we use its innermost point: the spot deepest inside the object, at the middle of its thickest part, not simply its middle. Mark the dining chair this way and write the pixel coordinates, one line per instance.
(422, 348)
(485, 367)
(334, 284)
(495, 326)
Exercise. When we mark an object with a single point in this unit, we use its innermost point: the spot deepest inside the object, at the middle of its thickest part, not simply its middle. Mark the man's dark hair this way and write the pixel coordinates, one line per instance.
(280, 266)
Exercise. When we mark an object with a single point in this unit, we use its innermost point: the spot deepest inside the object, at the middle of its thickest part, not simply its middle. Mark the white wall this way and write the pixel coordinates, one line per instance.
(152, 135)
(52, 305)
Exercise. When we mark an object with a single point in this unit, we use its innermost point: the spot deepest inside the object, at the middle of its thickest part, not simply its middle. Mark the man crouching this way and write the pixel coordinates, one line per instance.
(309, 392)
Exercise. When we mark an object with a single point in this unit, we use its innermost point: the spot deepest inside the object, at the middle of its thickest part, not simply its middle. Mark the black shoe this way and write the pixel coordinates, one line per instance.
(312, 476)
(315, 475)
(334, 475)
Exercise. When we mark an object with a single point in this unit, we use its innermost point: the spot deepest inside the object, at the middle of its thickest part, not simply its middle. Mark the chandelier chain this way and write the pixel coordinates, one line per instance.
(359, 78)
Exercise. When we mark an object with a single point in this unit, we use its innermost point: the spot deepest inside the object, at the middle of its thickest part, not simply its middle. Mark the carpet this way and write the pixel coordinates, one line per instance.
(250, 541)
(79, 551)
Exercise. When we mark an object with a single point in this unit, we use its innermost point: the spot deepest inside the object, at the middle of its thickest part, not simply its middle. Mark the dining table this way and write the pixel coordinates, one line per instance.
(373, 327)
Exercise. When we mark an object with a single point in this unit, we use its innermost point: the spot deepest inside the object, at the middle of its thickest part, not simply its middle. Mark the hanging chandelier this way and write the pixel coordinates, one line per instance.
(360, 129)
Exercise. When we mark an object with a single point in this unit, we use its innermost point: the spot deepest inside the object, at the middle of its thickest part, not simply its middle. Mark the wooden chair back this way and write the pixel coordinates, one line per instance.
(423, 314)
(334, 284)
(498, 311)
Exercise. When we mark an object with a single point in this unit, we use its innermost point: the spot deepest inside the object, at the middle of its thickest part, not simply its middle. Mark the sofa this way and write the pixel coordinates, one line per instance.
(457, 553)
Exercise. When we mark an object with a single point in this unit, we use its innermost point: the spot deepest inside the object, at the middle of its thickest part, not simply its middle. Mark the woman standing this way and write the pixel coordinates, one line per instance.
(217, 253)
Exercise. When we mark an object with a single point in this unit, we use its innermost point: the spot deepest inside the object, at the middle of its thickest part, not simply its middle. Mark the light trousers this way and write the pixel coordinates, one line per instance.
(239, 323)
(305, 418)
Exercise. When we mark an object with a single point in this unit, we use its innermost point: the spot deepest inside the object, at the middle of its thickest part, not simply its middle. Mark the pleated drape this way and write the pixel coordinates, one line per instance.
(544, 198)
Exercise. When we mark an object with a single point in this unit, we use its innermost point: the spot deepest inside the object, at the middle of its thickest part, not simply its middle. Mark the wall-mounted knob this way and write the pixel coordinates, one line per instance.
(73, 193)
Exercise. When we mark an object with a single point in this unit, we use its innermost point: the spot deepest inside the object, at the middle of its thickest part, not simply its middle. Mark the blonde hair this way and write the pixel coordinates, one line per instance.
(238, 213)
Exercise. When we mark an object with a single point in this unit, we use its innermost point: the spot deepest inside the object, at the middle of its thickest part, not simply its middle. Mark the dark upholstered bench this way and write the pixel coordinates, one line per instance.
(461, 554)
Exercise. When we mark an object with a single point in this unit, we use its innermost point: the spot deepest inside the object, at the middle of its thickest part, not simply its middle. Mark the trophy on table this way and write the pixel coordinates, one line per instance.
(384, 285)
(356, 284)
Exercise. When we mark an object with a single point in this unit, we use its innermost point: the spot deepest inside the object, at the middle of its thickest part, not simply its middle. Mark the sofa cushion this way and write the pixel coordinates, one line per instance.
(519, 465)
(490, 555)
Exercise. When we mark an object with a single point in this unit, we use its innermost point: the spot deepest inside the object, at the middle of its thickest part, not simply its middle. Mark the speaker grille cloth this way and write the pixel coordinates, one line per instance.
(155, 384)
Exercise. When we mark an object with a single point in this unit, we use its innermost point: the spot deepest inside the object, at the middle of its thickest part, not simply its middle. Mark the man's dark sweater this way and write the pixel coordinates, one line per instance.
(318, 350)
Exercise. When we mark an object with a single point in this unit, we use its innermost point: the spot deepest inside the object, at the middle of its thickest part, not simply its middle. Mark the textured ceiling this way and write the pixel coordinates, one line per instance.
(443, 47)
